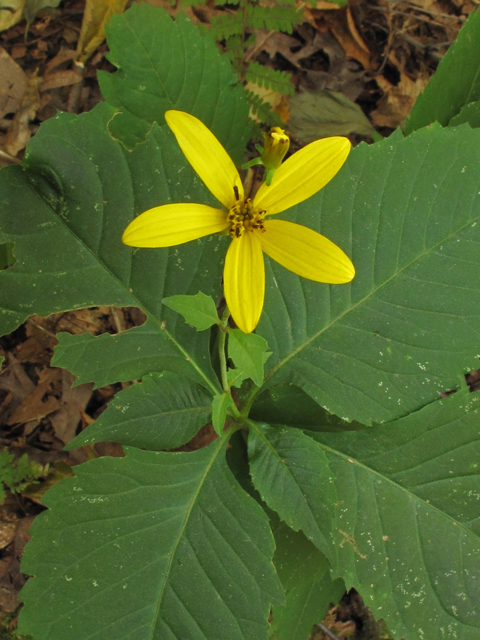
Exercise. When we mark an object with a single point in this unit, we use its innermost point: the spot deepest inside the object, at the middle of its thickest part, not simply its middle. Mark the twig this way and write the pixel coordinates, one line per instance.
(258, 47)
(408, 15)
(415, 43)
(39, 326)
(327, 632)
(431, 13)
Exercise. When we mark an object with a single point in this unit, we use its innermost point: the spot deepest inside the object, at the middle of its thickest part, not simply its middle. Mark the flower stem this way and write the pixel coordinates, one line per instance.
(221, 349)
(223, 361)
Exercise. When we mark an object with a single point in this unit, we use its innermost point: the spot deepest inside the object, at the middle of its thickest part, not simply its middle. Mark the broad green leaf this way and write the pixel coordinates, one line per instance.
(153, 545)
(289, 405)
(292, 476)
(309, 590)
(408, 514)
(469, 113)
(407, 212)
(199, 310)
(164, 65)
(249, 353)
(162, 412)
(455, 83)
(220, 405)
(6, 255)
(66, 212)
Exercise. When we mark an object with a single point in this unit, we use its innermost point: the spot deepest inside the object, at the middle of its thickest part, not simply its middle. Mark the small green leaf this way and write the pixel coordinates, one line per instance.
(249, 353)
(263, 111)
(162, 412)
(220, 406)
(304, 573)
(235, 377)
(294, 479)
(273, 18)
(32, 7)
(199, 310)
(269, 78)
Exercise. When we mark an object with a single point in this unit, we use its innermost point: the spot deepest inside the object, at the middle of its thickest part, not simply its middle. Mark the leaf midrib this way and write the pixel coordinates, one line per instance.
(220, 443)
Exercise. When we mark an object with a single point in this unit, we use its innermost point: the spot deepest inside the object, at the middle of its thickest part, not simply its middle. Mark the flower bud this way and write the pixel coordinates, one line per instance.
(276, 144)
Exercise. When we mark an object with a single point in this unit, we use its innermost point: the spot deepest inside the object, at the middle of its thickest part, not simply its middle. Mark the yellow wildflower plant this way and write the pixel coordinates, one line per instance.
(299, 249)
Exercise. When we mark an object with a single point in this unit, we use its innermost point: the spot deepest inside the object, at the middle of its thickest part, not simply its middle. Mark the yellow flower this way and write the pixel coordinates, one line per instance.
(299, 249)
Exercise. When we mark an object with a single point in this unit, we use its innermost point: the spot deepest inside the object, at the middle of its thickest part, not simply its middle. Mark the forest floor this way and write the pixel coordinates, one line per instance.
(379, 54)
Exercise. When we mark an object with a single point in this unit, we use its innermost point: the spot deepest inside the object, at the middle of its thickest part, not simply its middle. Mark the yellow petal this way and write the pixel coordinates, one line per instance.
(303, 174)
(173, 224)
(207, 156)
(244, 280)
(306, 252)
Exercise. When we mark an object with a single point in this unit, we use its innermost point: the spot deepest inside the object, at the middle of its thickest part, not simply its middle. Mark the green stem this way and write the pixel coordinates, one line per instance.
(223, 361)
(248, 404)
(221, 349)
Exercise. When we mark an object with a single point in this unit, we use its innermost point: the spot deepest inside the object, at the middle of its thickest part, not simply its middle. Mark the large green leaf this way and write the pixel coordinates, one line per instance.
(153, 545)
(168, 65)
(455, 83)
(470, 113)
(408, 514)
(163, 412)
(407, 212)
(290, 405)
(305, 576)
(66, 212)
(291, 474)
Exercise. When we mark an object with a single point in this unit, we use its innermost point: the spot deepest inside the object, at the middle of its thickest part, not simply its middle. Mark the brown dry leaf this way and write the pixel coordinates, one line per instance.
(73, 401)
(343, 28)
(397, 101)
(34, 407)
(21, 535)
(97, 14)
(343, 630)
(13, 84)
(32, 351)
(19, 133)
(16, 383)
(18, 51)
(8, 598)
(7, 533)
(60, 79)
(64, 55)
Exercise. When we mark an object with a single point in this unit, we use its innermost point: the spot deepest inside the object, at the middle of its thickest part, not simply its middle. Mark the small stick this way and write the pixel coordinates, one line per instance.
(327, 632)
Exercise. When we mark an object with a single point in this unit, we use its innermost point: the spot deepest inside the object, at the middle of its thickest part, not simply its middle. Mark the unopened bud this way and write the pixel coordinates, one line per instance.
(276, 144)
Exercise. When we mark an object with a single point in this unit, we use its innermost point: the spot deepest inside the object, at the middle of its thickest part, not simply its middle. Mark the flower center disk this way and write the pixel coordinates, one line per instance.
(242, 217)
